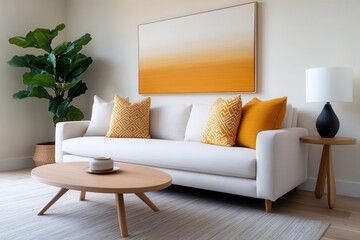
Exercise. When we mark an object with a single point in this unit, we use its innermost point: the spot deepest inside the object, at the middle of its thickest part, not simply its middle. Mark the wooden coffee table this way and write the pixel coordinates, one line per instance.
(129, 179)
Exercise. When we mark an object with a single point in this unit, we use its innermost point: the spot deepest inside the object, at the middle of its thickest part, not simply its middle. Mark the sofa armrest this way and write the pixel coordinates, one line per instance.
(66, 130)
(281, 161)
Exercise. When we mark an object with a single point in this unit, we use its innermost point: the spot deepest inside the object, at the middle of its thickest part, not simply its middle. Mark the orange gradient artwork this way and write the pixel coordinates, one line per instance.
(206, 52)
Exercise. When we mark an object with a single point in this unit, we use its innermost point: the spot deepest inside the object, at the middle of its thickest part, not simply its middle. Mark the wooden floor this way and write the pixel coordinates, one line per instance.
(344, 218)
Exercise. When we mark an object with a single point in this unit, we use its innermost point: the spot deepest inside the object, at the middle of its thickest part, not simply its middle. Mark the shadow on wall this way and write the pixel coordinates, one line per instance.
(356, 91)
(101, 79)
(307, 120)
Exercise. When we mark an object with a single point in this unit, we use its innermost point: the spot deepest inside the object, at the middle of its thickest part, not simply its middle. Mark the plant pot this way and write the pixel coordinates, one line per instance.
(44, 153)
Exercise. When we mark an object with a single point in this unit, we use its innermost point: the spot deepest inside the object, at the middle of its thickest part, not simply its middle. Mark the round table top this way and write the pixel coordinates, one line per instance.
(328, 141)
(129, 179)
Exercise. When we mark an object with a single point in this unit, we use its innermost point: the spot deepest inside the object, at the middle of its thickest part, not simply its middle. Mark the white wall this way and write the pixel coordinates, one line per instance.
(22, 122)
(292, 36)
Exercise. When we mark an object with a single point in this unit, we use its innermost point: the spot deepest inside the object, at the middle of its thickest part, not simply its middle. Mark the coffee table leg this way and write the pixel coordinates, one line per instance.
(82, 195)
(52, 201)
(120, 207)
(146, 200)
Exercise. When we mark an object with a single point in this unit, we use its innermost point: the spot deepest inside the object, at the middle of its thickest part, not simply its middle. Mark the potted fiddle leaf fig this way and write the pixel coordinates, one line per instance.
(53, 75)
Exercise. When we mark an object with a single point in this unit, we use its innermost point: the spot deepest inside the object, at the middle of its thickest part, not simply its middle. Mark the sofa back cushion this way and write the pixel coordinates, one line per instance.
(100, 117)
(169, 122)
(290, 119)
(197, 122)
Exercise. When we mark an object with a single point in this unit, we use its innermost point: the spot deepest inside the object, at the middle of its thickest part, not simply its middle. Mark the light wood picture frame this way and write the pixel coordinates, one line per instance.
(206, 52)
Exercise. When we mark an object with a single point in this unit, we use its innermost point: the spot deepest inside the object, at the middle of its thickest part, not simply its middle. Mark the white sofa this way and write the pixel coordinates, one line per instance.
(278, 165)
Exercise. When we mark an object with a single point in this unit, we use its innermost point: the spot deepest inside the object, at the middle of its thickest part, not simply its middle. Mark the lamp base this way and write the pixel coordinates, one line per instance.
(327, 124)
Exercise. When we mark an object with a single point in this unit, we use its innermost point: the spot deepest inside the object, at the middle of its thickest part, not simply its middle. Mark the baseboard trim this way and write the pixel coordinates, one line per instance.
(16, 163)
(345, 188)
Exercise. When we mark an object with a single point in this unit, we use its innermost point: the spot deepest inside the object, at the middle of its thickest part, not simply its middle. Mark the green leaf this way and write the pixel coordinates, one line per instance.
(62, 109)
(42, 65)
(21, 42)
(21, 94)
(77, 45)
(52, 59)
(43, 80)
(39, 92)
(59, 106)
(79, 89)
(62, 87)
(58, 28)
(61, 48)
(63, 67)
(22, 61)
(39, 38)
(30, 38)
(74, 114)
(42, 39)
(79, 65)
(70, 68)
(57, 120)
(27, 78)
(83, 40)
(54, 103)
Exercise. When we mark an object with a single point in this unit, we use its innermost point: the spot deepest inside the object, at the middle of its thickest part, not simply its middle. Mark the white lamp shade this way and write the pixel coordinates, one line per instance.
(329, 84)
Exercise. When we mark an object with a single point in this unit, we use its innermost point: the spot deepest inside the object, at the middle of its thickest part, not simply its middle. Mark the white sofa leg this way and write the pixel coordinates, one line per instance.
(268, 205)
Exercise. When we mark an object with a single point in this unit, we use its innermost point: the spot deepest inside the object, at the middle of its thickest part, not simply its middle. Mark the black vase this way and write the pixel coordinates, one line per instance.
(327, 124)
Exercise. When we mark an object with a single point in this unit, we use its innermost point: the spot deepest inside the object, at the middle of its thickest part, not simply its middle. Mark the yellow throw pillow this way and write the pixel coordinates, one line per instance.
(259, 116)
(223, 122)
(130, 120)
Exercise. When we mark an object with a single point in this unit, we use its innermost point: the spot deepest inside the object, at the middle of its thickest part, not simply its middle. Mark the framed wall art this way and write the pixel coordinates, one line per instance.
(206, 52)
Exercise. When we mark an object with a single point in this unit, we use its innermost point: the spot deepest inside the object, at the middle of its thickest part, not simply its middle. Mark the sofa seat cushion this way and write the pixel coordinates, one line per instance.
(180, 155)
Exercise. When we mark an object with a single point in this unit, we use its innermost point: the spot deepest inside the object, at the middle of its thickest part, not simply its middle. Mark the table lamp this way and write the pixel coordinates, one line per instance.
(328, 84)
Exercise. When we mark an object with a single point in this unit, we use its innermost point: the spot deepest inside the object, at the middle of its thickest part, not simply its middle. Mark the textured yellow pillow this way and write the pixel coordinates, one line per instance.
(223, 122)
(130, 120)
(259, 116)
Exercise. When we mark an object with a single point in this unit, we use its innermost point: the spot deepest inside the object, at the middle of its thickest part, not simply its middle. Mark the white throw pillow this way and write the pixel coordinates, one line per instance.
(197, 122)
(100, 117)
(169, 122)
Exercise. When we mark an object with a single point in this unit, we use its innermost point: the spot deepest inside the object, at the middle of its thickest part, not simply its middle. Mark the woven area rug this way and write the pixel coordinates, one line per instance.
(184, 215)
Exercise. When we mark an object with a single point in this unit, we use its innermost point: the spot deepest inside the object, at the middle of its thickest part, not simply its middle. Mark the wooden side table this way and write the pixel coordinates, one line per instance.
(326, 166)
